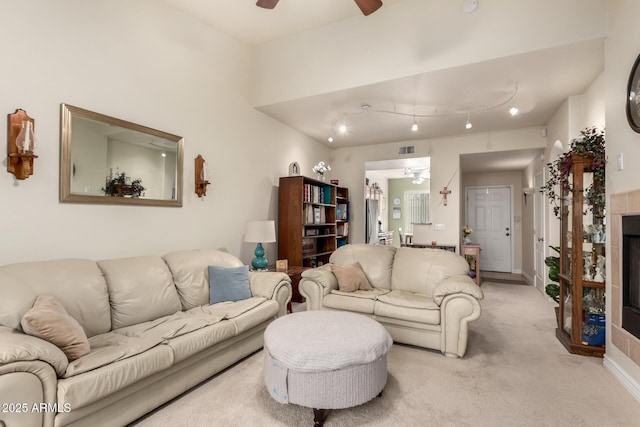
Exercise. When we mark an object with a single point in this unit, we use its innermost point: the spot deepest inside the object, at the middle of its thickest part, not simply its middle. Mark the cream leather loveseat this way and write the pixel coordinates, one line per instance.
(151, 330)
(423, 297)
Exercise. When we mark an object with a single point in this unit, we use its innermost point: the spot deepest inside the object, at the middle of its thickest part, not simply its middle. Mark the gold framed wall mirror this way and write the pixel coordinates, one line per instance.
(112, 161)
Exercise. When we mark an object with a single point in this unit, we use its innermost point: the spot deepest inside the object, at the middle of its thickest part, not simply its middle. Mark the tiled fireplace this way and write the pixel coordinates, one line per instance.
(624, 205)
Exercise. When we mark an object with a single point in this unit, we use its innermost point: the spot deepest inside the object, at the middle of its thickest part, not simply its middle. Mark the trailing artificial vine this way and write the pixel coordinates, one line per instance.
(590, 145)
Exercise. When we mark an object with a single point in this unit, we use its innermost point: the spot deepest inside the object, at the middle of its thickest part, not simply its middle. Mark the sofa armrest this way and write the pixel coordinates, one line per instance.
(27, 385)
(272, 285)
(455, 285)
(315, 284)
(19, 347)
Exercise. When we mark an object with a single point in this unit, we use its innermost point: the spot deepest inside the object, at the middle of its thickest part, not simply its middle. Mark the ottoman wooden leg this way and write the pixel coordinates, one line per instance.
(319, 416)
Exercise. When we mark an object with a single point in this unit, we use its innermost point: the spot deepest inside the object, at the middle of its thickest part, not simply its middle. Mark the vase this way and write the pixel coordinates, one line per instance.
(466, 240)
(321, 177)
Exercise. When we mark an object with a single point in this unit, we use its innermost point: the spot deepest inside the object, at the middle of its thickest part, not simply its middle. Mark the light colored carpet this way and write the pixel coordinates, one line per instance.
(515, 373)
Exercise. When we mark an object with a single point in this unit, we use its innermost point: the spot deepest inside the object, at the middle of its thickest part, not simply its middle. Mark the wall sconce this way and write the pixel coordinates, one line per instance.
(202, 176)
(527, 191)
(21, 144)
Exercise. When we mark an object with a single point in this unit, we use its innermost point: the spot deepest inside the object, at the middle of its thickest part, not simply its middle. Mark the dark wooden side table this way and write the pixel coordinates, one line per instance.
(295, 274)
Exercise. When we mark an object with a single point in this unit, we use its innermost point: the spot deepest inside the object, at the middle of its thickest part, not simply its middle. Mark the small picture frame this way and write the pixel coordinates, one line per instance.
(282, 265)
(633, 97)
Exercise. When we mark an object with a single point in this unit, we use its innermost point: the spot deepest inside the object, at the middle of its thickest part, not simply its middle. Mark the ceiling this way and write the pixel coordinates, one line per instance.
(537, 82)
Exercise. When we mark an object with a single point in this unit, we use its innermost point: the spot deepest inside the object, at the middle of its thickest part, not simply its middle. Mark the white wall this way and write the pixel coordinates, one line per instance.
(149, 64)
(407, 40)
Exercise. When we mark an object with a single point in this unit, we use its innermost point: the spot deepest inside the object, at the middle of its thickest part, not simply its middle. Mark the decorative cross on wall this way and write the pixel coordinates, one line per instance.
(444, 193)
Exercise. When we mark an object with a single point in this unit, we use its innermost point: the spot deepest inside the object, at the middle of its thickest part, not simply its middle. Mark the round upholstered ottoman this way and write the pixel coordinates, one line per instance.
(325, 360)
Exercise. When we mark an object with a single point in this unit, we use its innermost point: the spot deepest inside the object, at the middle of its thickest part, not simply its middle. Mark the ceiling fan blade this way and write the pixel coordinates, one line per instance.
(267, 4)
(368, 6)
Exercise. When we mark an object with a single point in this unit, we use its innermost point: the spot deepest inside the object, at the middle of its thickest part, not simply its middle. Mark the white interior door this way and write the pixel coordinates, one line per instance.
(538, 233)
(489, 215)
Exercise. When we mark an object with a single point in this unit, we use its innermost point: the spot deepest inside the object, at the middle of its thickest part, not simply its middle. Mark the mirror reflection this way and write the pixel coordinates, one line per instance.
(108, 160)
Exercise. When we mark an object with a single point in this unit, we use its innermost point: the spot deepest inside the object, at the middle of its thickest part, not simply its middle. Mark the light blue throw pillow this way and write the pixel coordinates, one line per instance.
(228, 283)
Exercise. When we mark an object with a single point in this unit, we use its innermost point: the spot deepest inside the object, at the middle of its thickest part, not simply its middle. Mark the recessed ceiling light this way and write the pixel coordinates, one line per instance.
(513, 111)
(343, 128)
(330, 139)
(469, 6)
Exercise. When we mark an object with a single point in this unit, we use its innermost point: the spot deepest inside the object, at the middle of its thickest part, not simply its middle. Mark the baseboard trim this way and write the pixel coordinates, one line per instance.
(627, 382)
(528, 278)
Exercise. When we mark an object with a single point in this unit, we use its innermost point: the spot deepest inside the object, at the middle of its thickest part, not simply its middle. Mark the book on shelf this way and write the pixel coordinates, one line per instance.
(309, 246)
(343, 211)
(317, 194)
(343, 229)
(315, 215)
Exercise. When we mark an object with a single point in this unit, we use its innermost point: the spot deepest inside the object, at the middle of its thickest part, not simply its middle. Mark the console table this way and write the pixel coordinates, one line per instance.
(446, 247)
(473, 251)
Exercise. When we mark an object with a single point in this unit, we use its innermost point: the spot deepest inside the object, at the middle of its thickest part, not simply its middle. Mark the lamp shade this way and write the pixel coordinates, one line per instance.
(260, 232)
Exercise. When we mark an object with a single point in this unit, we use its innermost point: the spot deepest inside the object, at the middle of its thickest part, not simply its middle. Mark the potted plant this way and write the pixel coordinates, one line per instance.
(553, 262)
(590, 145)
(120, 185)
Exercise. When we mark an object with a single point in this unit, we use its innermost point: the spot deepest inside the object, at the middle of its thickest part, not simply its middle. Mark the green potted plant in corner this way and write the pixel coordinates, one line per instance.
(553, 262)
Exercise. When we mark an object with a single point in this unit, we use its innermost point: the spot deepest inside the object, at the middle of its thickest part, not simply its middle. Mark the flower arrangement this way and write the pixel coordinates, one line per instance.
(321, 168)
(466, 230)
(591, 145)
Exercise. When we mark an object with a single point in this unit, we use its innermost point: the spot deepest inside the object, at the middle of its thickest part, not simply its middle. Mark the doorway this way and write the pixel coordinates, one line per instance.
(386, 209)
(538, 233)
(488, 213)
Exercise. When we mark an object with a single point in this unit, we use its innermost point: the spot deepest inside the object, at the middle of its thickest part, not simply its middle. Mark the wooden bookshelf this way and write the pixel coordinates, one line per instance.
(308, 220)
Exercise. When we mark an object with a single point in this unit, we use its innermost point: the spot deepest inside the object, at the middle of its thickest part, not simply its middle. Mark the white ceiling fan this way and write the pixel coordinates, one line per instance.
(366, 6)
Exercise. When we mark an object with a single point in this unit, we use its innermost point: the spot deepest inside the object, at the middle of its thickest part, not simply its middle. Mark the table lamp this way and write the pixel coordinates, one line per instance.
(260, 232)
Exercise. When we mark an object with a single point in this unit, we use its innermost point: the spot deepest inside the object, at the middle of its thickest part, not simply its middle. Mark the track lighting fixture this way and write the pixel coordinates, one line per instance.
(339, 125)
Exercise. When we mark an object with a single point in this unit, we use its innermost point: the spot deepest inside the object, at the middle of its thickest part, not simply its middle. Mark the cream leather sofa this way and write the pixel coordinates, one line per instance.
(152, 332)
(423, 297)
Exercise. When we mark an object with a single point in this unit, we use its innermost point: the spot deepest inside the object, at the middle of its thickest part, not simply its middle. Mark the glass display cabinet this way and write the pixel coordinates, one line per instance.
(581, 316)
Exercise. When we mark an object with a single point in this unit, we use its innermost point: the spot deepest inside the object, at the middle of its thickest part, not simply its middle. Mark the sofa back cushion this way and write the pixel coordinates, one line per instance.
(140, 289)
(376, 261)
(421, 270)
(78, 285)
(191, 274)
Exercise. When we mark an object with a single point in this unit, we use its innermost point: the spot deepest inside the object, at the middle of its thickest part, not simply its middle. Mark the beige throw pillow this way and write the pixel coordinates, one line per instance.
(351, 277)
(48, 320)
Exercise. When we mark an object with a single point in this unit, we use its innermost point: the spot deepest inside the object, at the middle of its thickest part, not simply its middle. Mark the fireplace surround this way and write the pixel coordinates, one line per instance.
(631, 274)
(621, 205)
